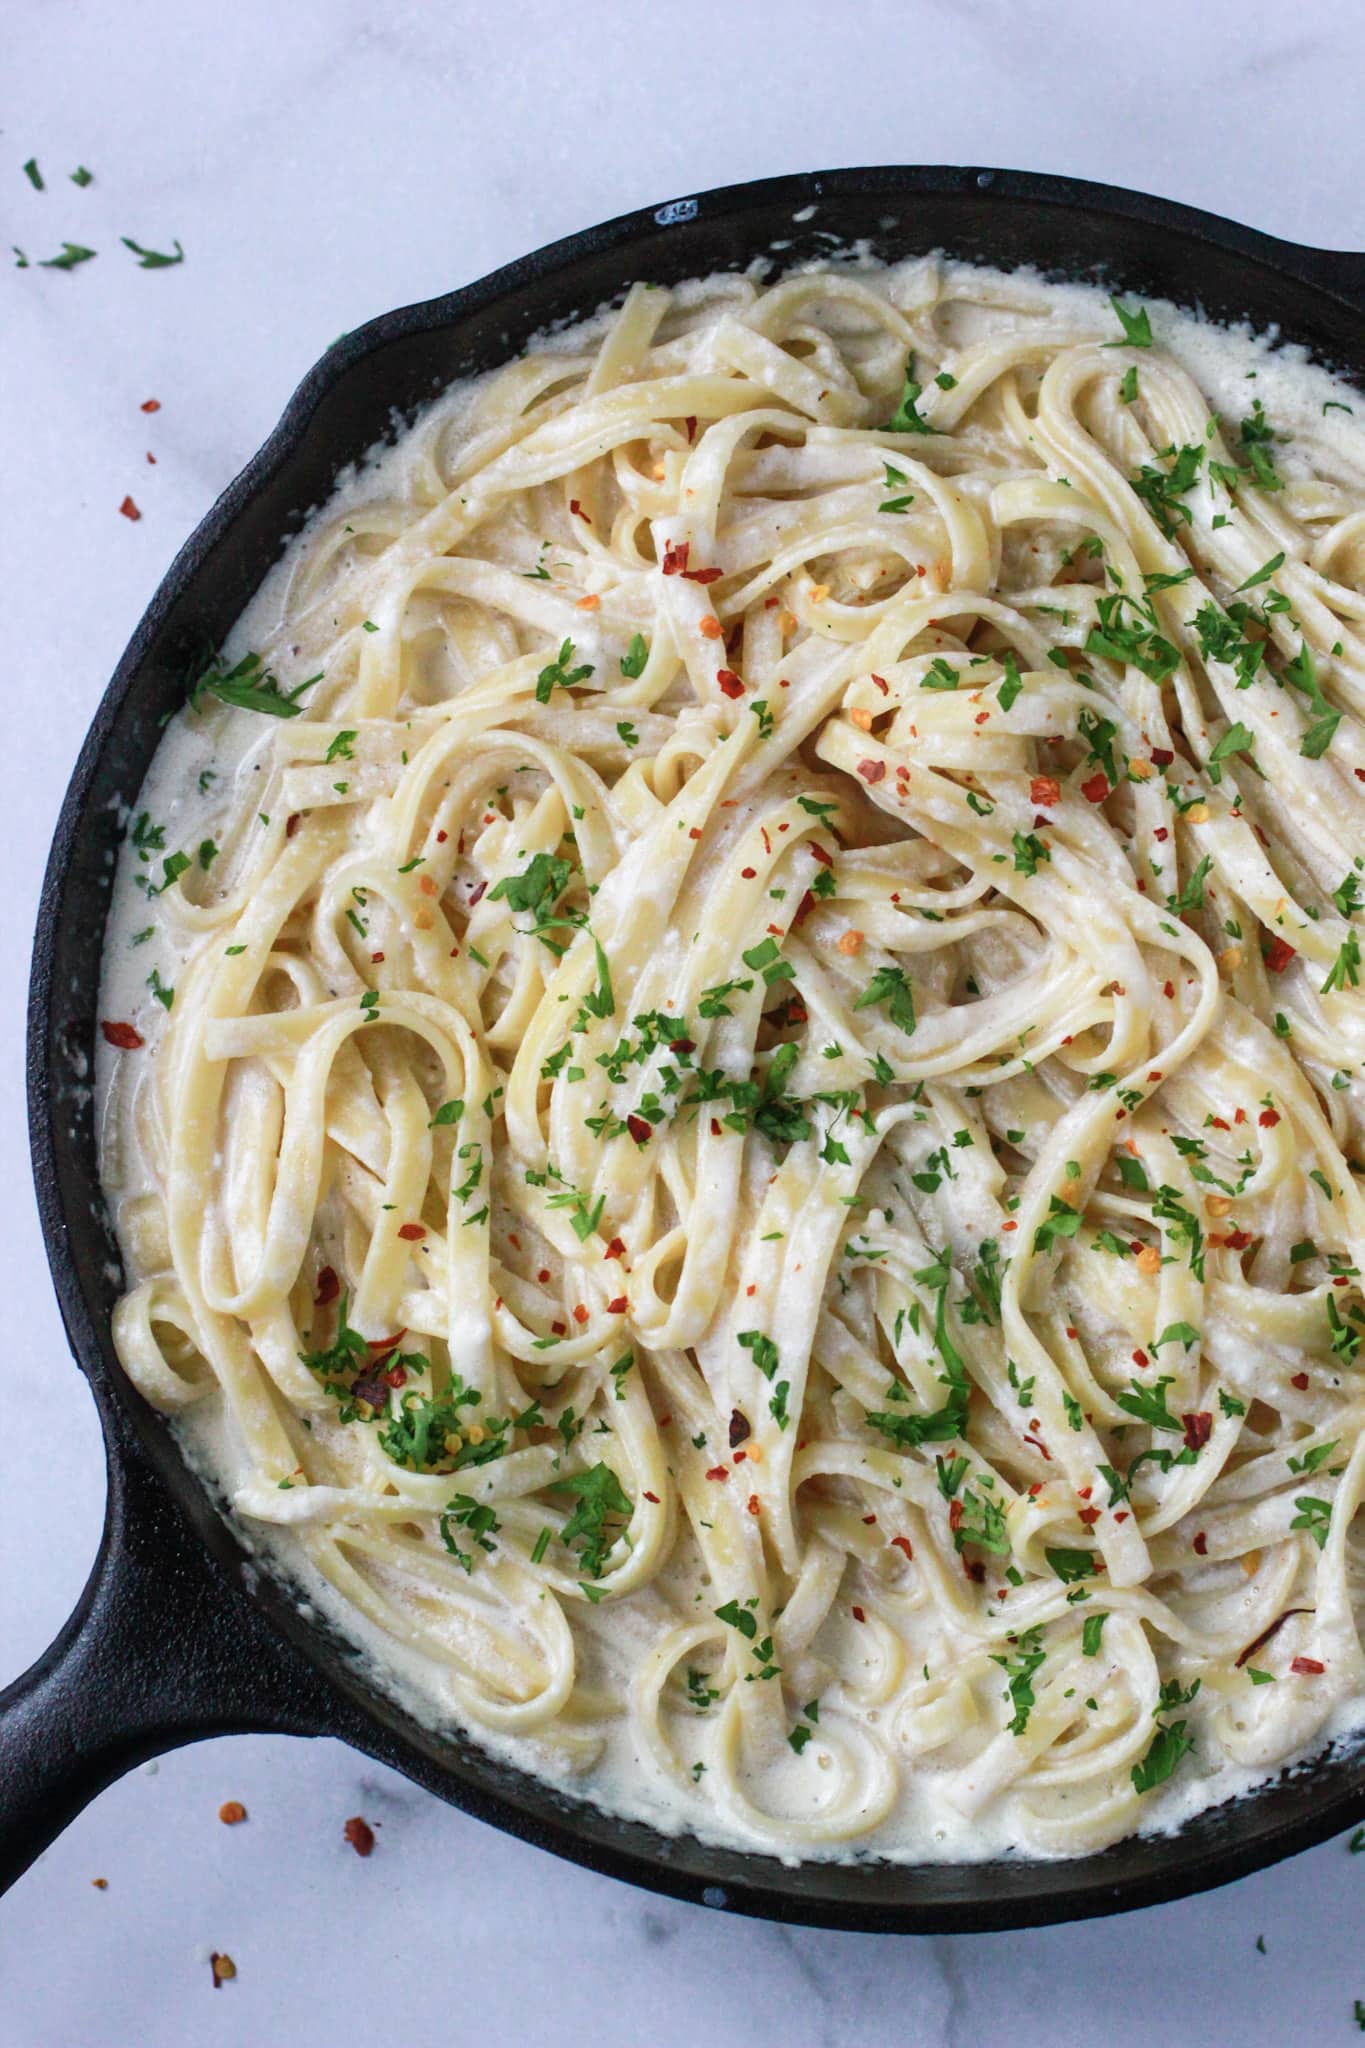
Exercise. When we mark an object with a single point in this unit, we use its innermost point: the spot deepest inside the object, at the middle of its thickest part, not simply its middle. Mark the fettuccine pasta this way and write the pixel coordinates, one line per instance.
(735, 1037)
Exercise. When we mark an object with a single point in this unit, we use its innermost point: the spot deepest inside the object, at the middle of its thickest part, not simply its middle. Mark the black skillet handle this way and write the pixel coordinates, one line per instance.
(162, 1650)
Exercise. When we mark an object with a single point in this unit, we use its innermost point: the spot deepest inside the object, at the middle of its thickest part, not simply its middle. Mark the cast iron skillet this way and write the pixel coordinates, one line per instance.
(178, 1635)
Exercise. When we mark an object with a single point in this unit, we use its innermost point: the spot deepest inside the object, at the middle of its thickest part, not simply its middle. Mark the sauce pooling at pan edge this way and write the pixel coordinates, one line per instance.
(733, 1086)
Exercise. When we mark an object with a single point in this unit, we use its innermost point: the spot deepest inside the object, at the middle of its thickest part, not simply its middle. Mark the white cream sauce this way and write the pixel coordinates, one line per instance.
(1232, 367)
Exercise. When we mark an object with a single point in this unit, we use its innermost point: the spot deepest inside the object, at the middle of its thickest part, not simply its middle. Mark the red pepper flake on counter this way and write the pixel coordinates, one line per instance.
(231, 1813)
(329, 1287)
(129, 509)
(359, 1834)
(151, 405)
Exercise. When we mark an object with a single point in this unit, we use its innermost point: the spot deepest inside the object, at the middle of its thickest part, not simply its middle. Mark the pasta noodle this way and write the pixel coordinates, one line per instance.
(749, 1105)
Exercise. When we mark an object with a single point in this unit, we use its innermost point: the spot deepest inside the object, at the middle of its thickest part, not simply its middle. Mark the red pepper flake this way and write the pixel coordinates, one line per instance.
(1198, 1429)
(476, 894)
(1140, 1357)
(151, 458)
(397, 1375)
(1237, 1240)
(715, 1127)
(412, 1233)
(1044, 790)
(1307, 1667)
(615, 1250)
(740, 1456)
(578, 511)
(129, 509)
(1010, 1224)
(1161, 832)
(1278, 955)
(819, 853)
(729, 682)
(1299, 1380)
(1162, 757)
(695, 833)
(580, 1314)
(703, 575)
(126, 1036)
(719, 1472)
(1200, 1544)
(1168, 990)
(690, 423)
(231, 1813)
(1268, 1119)
(857, 1614)
(954, 1514)
(752, 1504)
(329, 1287)
(151, 405)
(903, 1543)
(441, 838)
(872, 771)
(376, 959)
(1239, 1116)
(617, 1306)
(675, 558)
(291, 824)
(740, 1428)
(1095, 788)
(543, 1275)
(650, 1496)
(560, 1329)
(359, 1834)
(1089, 1516)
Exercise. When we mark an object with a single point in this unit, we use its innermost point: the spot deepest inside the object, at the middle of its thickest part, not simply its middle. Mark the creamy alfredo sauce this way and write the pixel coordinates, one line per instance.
(811, 964)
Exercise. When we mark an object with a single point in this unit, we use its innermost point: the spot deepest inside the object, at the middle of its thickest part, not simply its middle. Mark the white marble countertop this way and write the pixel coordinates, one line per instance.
(321, 161)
